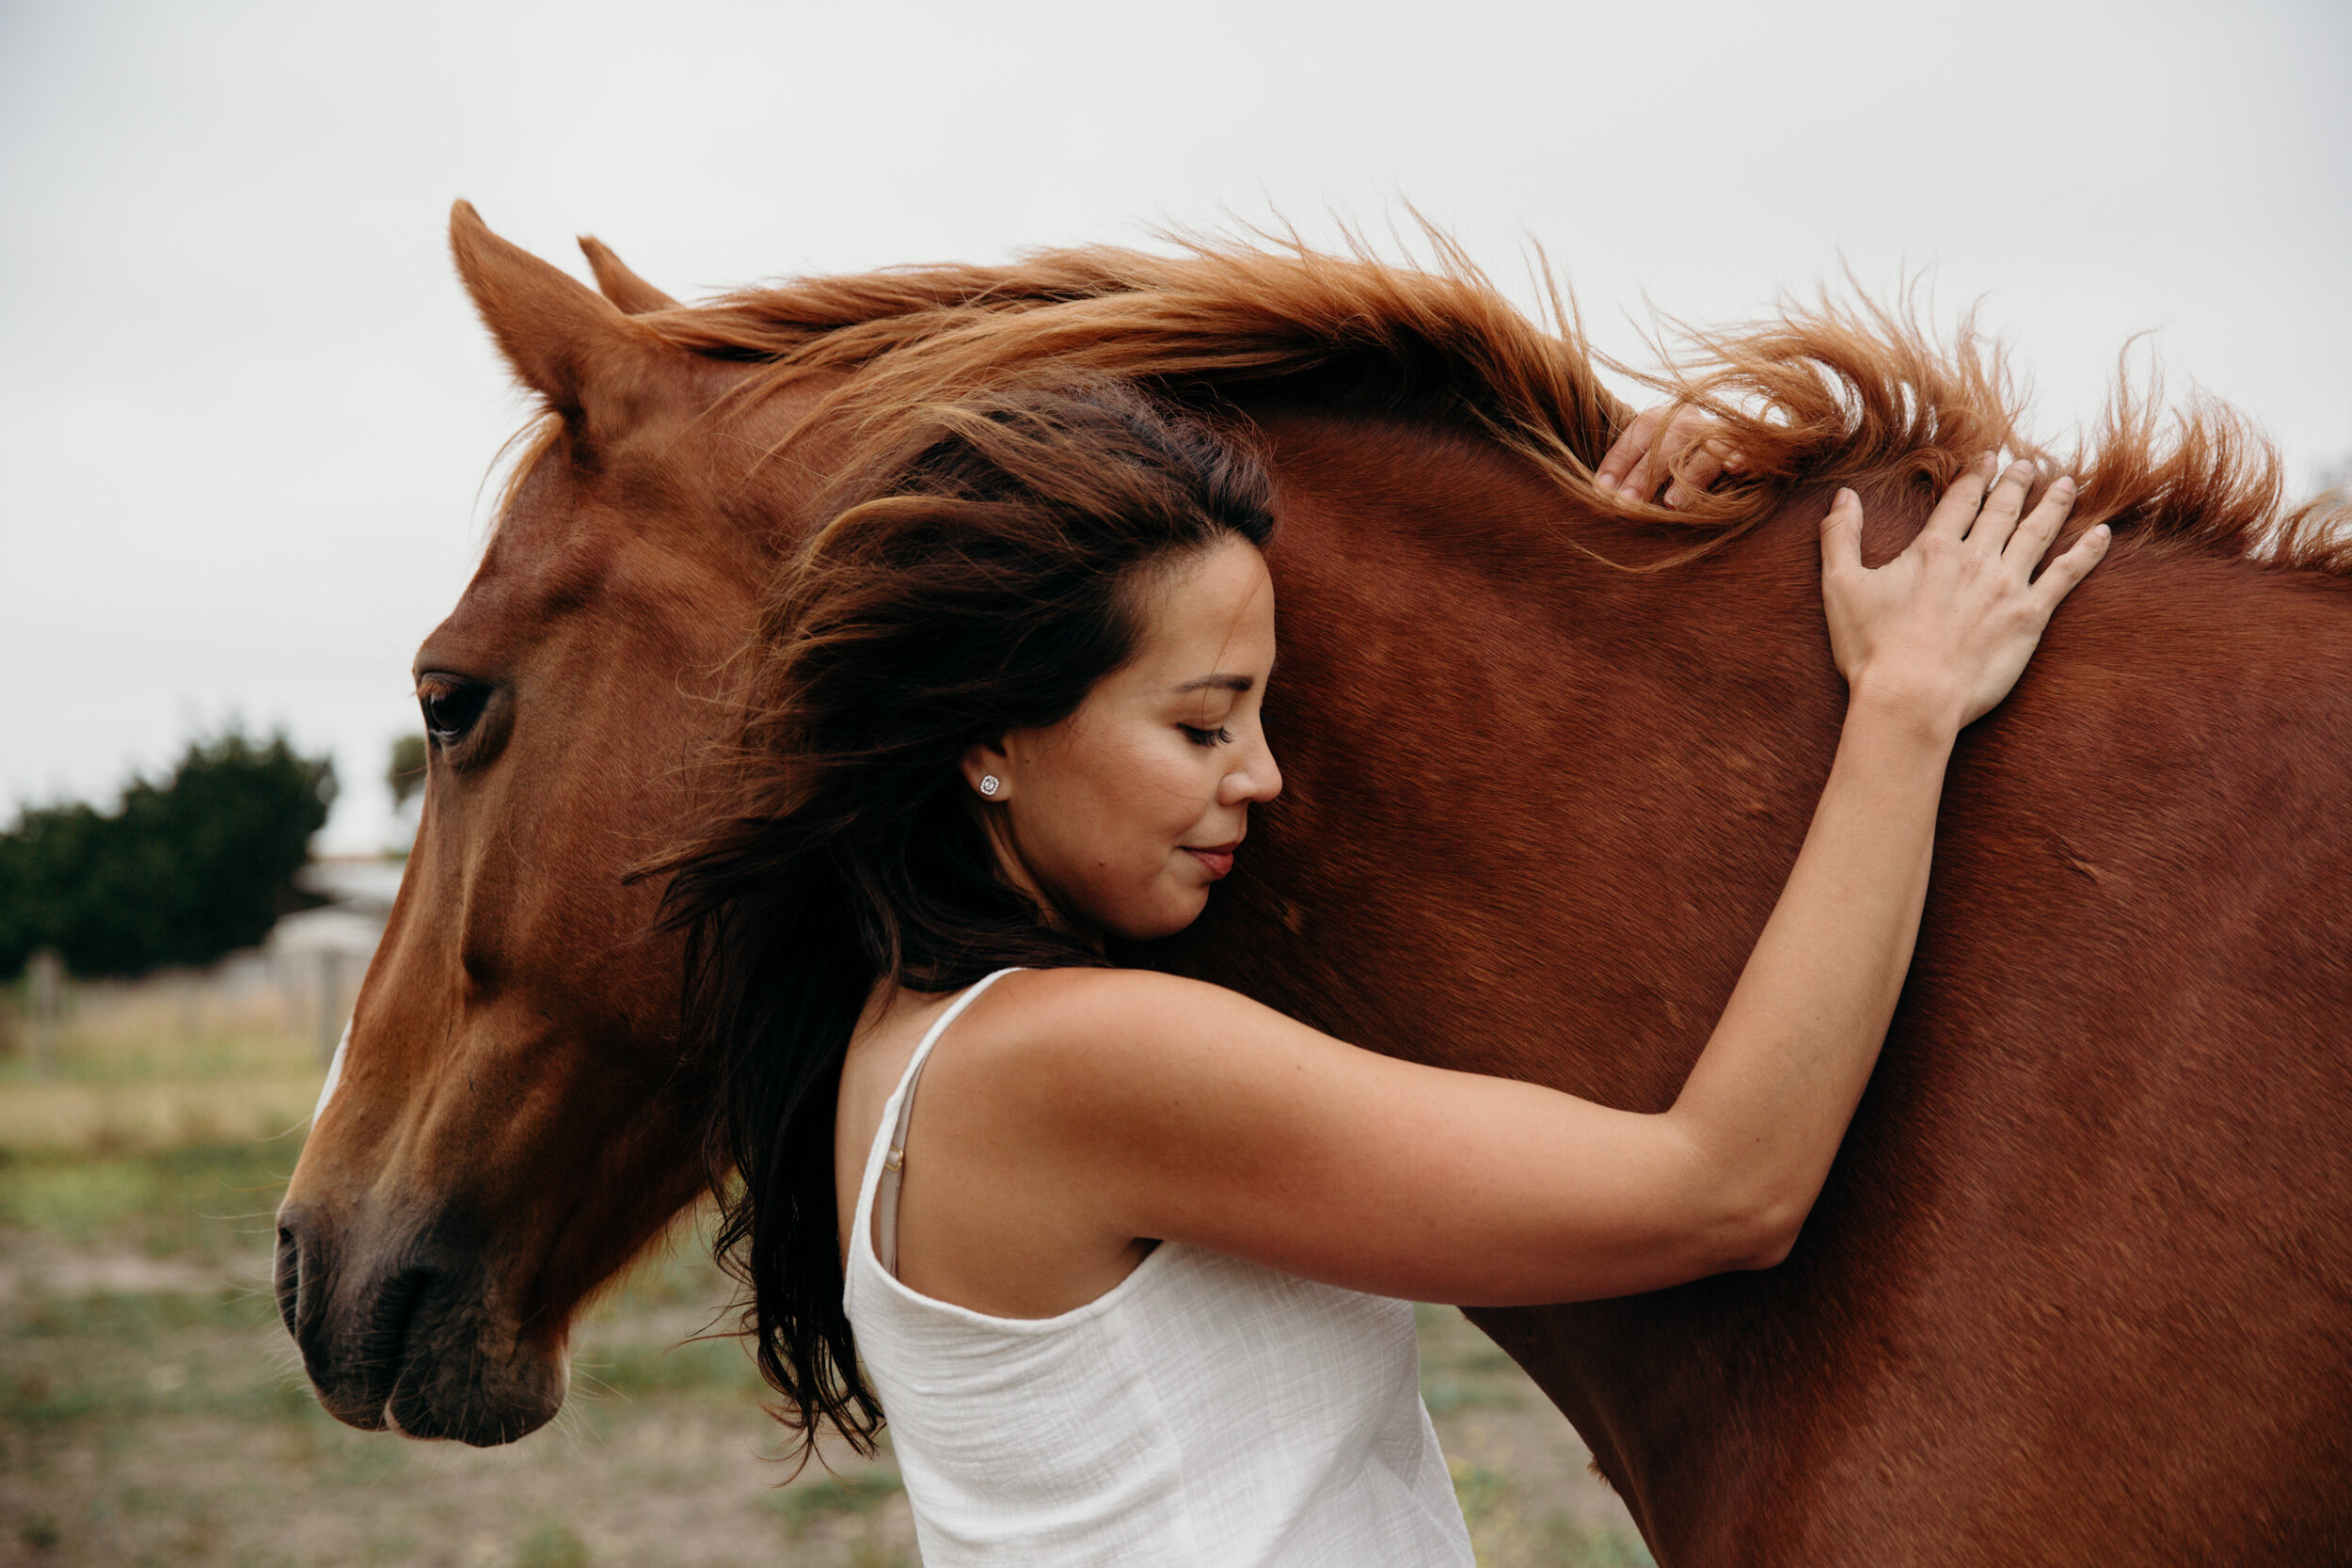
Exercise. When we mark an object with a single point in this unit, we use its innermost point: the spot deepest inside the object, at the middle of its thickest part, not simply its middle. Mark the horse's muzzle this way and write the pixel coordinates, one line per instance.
(410, 1336)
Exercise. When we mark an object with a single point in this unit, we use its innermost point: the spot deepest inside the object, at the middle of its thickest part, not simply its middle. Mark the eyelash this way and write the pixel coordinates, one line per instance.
(1219, 735)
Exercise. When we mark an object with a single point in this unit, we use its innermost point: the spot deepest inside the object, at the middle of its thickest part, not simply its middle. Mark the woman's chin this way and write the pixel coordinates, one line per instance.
(1165, 921)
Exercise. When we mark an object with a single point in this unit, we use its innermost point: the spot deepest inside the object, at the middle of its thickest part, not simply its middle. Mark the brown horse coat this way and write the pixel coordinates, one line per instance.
(2080, 1285)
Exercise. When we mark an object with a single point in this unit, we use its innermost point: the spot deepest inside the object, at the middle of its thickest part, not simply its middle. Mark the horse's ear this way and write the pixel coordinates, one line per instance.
(566, 341)
(624, 287)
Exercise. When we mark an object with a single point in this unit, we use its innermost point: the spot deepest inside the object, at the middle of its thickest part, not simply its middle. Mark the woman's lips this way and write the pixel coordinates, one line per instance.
(1218, 862)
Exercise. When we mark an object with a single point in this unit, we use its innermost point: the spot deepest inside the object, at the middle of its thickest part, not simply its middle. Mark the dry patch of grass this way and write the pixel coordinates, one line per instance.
(64, 1117)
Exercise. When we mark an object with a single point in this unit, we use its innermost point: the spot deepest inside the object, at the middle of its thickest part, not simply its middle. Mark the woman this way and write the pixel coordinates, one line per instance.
(1131, 1273)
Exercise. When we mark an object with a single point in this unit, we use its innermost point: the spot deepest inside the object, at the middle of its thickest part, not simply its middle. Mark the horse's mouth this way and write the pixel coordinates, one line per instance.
(385, 1345)
(417, 1351)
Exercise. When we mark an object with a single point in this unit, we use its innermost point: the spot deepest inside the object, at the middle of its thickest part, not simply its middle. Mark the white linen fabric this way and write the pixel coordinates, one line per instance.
(1204, 1412)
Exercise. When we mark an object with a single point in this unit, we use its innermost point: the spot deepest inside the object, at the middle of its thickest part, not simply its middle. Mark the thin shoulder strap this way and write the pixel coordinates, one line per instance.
(886, 1215)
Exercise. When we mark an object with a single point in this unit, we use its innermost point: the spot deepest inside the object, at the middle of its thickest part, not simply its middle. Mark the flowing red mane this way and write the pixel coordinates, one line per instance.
(1842, 393)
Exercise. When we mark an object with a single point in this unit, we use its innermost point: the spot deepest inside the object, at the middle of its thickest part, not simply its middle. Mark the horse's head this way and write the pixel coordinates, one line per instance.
(507, 1124)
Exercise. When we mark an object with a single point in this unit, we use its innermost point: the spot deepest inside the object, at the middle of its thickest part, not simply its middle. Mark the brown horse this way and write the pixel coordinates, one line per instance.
(2080, 1286)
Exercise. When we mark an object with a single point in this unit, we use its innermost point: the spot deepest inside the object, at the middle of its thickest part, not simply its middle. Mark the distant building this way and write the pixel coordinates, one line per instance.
(325, 951)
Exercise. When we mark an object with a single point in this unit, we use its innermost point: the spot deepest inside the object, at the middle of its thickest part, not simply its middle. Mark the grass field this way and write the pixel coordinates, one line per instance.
(152, 1410)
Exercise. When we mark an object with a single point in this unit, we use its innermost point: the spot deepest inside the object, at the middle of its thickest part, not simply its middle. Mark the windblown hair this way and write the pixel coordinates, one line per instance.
(985, 563)
(1853, 394)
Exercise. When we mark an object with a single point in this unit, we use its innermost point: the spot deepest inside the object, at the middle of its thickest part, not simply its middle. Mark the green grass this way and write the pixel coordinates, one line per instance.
(203, 1202)
(834, 1495)
(1460, 1367)
(139, 1317)
(1480, 1491)
(553, 1544)
(106, 1359)
(1445, 1394)
(648, 1369)
(1576, 1546)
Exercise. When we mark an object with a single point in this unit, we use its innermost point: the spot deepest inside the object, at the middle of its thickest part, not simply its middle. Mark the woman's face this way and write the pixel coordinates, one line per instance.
(1122, 815)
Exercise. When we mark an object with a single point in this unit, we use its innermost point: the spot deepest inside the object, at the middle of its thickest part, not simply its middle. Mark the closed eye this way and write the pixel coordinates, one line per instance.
(450, 706)
(1219, 735)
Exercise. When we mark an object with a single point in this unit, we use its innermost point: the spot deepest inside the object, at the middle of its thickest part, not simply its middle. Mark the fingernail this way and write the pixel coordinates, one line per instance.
(2066, 484)
(1844, 496)
(2103, 531)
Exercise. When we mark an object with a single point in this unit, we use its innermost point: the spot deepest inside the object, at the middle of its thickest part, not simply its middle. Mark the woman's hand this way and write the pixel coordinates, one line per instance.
(1945, 628)
(1663, 444)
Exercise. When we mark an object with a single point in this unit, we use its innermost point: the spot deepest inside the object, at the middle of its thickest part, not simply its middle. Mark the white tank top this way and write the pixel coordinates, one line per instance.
(1203, 1411)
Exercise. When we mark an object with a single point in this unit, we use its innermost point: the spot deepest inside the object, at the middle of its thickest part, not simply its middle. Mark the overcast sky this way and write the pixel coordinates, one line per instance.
(246, 411)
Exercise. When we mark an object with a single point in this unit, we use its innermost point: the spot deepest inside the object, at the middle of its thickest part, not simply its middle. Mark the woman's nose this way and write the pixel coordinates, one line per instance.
(1256, 779)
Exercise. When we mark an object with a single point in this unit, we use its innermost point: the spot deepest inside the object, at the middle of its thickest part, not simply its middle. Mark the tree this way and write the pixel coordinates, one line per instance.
(407, 773)
(183, 871)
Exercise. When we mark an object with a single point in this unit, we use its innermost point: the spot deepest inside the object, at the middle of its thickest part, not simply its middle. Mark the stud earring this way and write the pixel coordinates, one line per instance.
(989, 784)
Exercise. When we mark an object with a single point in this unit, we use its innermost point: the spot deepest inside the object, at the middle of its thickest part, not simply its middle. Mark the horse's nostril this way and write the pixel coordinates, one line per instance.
(288, 1272)
(296, 1262)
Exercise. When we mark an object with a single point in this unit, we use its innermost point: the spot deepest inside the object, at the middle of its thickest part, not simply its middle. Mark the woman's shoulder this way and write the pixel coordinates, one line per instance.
(1080, 1003)
(1085, 987)
(1078, 1025)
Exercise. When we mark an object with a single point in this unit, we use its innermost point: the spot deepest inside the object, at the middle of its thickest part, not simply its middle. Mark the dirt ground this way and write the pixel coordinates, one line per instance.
(151, 1411)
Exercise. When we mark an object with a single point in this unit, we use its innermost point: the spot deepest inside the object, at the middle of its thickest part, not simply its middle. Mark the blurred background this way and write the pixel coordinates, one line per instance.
(246, 418)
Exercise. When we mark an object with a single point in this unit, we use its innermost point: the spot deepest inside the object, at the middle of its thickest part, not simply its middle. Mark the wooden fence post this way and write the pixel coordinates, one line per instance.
(331, 1014)
(44, 987)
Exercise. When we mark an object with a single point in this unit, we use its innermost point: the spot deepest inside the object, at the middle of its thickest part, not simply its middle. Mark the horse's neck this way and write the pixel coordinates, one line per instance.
(1538, 809)
(1534, 804)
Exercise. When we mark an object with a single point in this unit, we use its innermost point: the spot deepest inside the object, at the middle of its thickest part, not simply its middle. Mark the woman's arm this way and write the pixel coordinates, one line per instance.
(1183, 1111)
(1928, 643)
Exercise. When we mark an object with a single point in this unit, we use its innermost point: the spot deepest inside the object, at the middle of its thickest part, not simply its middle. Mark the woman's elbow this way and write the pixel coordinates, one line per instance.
(1743, 1218)
(1766, 1234)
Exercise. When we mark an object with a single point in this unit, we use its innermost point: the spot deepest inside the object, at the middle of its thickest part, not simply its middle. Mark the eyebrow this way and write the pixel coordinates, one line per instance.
(1221, 683)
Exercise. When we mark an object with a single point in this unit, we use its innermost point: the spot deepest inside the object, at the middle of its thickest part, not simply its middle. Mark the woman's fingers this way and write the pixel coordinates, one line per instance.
(1997, 519)
(1841, 534)
(1952, 623)
(1650, 472)
(1708, 462)
(1632, 445)
(1958, 509)
(1670, 442)
(2032, 539)
(2058, 578)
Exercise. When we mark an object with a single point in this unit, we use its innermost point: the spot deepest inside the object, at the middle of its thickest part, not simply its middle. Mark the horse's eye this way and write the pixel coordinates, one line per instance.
(451, 707)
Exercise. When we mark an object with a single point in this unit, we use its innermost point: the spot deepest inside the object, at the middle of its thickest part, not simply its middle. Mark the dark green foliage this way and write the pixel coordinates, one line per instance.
(181, 872)
(407, 773)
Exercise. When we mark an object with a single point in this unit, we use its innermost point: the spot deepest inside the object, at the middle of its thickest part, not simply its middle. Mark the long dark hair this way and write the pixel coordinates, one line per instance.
(980, 570)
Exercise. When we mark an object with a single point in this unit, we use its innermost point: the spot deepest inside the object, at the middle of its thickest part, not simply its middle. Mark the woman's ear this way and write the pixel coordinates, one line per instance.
(988, 771)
